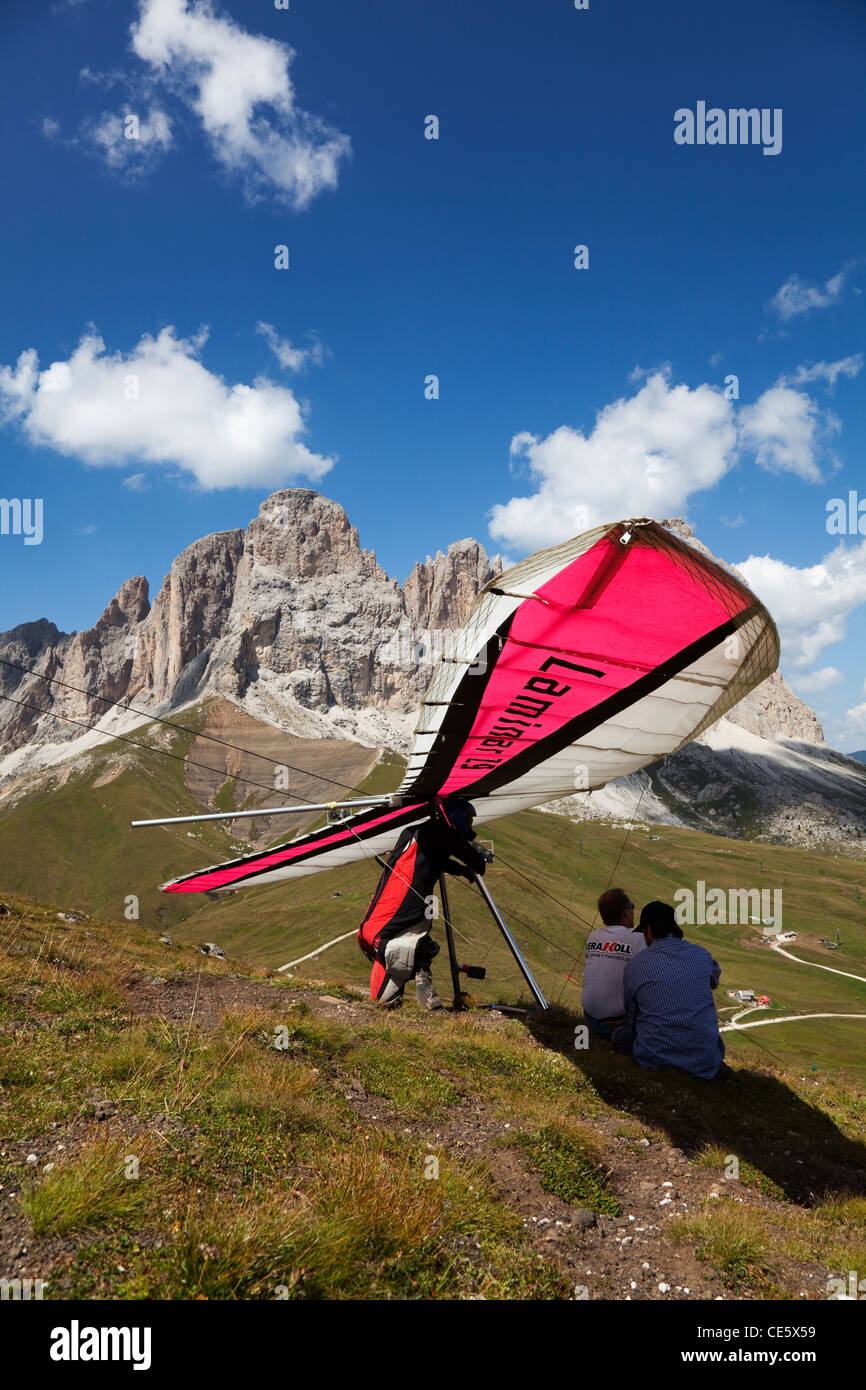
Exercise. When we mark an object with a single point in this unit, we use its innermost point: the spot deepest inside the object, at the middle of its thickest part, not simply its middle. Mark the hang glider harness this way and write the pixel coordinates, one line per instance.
(582, 664)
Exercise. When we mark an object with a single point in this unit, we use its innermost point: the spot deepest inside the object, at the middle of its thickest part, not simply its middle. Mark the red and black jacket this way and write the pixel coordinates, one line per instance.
(403, 893)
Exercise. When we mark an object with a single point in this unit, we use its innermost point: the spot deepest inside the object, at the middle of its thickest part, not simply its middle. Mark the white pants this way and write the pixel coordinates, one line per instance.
(400, 963)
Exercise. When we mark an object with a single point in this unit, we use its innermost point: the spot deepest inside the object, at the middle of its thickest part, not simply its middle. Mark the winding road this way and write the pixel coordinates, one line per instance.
(736, 1026)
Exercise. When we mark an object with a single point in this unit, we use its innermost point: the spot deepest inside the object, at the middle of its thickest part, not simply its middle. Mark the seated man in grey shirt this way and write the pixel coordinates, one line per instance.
(670, 1013)
(608, 950)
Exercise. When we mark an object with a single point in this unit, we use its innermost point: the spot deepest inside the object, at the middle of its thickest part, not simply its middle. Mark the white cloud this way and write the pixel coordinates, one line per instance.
(158, 404)
(733, 521)
(817, 682)
(137, 482)
(645, 456)
(88, 530)
(129, 142)
(651, 452)
(784, 428)
(825, 371)
(238, 86)
(639, 373)
(811, 606)
(847, 732)
(293, 359)
(797, 297)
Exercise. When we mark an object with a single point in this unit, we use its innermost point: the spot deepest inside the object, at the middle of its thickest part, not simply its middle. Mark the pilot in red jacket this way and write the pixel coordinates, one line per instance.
(395, 933)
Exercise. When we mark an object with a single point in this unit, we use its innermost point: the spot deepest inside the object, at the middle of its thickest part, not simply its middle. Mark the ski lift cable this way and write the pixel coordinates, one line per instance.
(747, 1032)
(561, 950)
(181, 758)
(185, 760)
(146, 748)
(539, 889)
(159, 719)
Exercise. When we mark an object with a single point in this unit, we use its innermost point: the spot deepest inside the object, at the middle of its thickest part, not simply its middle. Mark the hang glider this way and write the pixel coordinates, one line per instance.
(583, 663)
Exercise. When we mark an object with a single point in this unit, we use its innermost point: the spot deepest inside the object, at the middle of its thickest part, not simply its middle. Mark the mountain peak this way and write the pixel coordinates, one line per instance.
(303, 533)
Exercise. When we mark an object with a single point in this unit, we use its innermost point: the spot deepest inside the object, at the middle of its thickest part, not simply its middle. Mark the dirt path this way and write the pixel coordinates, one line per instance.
(789, 1018)
(815, 966)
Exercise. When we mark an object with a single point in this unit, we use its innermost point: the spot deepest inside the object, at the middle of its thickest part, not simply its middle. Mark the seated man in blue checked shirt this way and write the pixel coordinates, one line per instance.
(670, 1015)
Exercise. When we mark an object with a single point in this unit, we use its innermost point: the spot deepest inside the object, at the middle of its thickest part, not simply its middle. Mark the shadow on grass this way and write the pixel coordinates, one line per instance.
(755, 1115)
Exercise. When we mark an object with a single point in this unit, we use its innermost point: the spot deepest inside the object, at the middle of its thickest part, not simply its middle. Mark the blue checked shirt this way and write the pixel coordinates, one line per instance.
(669, 1007)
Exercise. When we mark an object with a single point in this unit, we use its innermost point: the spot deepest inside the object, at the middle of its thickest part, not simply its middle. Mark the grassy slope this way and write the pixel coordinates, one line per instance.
(302, 1171)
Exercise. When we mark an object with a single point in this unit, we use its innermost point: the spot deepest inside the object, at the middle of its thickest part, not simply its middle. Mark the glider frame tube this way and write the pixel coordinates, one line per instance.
(268, 811)
(452, 954)
(512, 944)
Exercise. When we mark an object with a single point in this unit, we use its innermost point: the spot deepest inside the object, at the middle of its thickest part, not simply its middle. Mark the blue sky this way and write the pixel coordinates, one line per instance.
(566, 396)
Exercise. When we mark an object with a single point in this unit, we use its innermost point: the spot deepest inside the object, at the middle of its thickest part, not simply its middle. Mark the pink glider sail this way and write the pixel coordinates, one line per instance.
(582, 664)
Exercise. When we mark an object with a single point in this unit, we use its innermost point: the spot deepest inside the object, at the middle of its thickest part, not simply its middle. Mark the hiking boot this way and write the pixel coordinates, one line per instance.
(424, 991)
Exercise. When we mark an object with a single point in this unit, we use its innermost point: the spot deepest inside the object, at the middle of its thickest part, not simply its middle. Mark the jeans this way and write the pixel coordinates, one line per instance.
(604, 1027)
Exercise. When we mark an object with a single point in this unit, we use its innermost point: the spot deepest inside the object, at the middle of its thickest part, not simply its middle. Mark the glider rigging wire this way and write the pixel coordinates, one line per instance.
(538, 888)
(165, 753)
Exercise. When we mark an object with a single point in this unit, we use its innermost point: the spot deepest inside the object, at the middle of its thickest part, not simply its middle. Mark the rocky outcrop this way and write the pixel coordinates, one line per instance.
(188, 616)
(98, 662)
(292, 608)
(772, 710)
(440, 593)
(29, 646)
(311, 610)
(77, 670)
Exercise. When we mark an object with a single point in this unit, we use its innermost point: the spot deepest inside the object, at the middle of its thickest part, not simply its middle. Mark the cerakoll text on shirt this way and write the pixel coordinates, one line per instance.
(608, 952)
